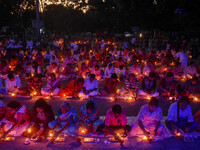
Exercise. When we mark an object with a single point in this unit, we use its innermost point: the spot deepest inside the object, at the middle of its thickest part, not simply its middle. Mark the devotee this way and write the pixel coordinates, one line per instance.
(90, 87)
(130, 87)
(180, 117)
(47, 57)
(54, 60)
(149, 86)
(168, 86)
(52, 68)
(183, 60)
(34, 85)
(84, 70)
(109, 71)
(149, 67)
(192, 86)
(29, 44)
(197, 120)
(35, 68)
(72, 88)
(66, 120)
(89, 118)
(12, 83)
(97, 72)
(136, 70)
(52, 86)
(149, 121)
(17, 119)
(191, 71)
(110, 86)
(115, 121)
(121, 72)
(67, 72)
(41, 116)
(178, 71)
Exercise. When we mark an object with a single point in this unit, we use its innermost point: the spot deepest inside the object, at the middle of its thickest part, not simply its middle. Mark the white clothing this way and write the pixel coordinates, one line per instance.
(120, 72)
(186, 113)
(108, 72)
(10, 85)
(75, 46)
(39, 70)
(47, 56)
(91, 85)
(143, 93)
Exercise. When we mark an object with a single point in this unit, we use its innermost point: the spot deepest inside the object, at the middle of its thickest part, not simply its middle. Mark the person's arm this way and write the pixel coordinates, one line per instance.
(170, 118)
(190, 119)
(142, 128)
(157, 127)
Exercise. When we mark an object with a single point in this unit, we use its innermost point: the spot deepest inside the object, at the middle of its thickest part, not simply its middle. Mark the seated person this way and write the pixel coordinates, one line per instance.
(97, 71)
(149, 67)
(136, 70)
(41, 116)
(90, 87)
(109, 71)
(17, 119)
(12, 83)
(72, 88)
(149, 121)
(180, 117)
(191, 71)
(89, 118)
(66, 120)
(168, 86)
(35, 68)
(116, 122)
(2, 110)
(5, 69)
(67, 72)
(84, 71)
(110, 86)
(121, 72)
(192, 86)
(178, 71)
(163, 70)
(53, 68)
(52, 86)
(130, 87)
(149, 85)
(34, 85)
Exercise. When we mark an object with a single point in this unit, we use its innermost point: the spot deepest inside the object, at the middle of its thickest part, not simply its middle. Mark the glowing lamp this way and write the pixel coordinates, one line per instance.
(144, 138)
(29, 130)
(196, 99)
(13, 94)
(129, 98)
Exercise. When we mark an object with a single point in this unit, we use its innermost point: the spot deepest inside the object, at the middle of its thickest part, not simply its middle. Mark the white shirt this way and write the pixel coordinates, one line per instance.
(149, 118)
(182, 56)
(29, 44)
(10, 85)
(47, 56)
(91, 85)
(75, 46)
(186, 113)
(109, 72)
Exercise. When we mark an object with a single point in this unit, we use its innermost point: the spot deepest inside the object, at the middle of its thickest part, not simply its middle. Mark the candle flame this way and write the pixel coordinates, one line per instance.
(13, 94)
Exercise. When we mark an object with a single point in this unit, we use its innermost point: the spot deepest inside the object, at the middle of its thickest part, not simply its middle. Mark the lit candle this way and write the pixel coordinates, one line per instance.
(13, 94)
(196, 99)
(144, 138)
(29, 130)
(129, 98)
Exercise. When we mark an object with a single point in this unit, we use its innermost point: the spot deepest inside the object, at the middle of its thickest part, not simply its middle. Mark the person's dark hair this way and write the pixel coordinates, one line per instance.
(152, 74)
(90, 105)
(184, 99)
(10, 75)
(80, 80)
(92, 76)
(41, 103)
(114, 76)
(170, 74)
(14, 104)
(121, 67)
(154, 101)
(110, 65)
(117, 109)
(97, 66)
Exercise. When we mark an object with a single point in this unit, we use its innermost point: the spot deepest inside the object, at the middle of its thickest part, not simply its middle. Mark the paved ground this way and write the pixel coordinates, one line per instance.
(132, 143)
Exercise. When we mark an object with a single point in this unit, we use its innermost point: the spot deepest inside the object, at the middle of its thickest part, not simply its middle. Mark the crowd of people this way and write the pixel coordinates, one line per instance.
(101, 68)
(16, 120)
